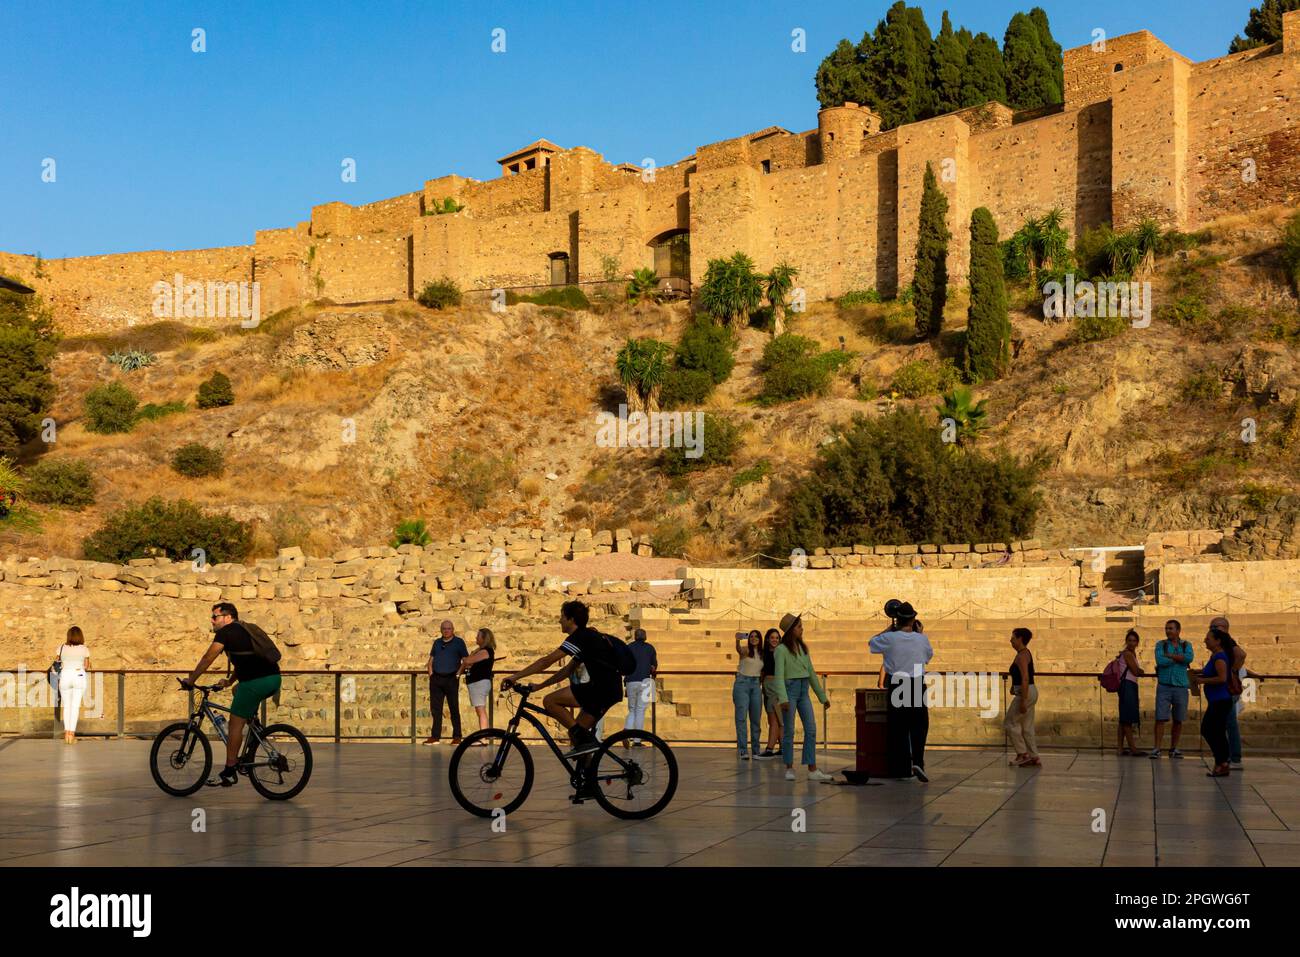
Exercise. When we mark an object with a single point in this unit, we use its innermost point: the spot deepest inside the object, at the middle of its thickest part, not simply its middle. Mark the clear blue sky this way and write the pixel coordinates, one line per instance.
(158, 147)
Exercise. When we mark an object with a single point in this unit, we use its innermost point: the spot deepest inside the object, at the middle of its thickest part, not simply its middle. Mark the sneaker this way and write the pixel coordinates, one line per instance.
(743, 755)
(626, 744)
(789, 774)
(820, 775)
(584, 742)
(1175, 754)
(432, 740)
(1155, 754)
(227, 778)
(455, 741)
(1236, 766)
(918, 772)
(766, 755)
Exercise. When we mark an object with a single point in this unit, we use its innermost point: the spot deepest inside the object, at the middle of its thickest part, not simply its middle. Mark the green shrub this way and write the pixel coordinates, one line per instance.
(718, 441)
(566, 297)
(708, 347)
(110, 409)
(793, 369)
(439, 294)
(669, 538)
(170, 529)
(1203, 386)
(858, 297)
(905, 294)
(923, 377)
(475, 478)
(892, 480)
(1291, 251)
(755, 473)
(68, 483)
(215, 392)
(684, 388)
(131, 359)
(1261, 497)
(411, 532)
(151, 411)
(197, 460)
(1097, 328)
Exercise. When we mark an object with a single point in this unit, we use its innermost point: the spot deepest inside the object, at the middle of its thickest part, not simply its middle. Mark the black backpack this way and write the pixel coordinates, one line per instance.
(621, 658)
(261, 642)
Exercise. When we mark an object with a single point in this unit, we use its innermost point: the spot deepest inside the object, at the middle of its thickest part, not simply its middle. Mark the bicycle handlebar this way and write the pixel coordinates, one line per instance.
(207, 688)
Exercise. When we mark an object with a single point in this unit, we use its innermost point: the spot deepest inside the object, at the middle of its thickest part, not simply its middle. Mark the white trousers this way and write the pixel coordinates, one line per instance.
(72, 688)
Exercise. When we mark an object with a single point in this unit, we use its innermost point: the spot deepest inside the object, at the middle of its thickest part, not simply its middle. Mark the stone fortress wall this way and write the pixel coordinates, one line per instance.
(1143, 132)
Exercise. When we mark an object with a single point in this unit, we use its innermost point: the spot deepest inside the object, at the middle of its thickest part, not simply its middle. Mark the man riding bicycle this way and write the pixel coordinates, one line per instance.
(597, 685)
(256, 676)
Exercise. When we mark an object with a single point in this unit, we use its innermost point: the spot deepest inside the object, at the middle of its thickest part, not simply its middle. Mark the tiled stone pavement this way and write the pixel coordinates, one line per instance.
(94, 804)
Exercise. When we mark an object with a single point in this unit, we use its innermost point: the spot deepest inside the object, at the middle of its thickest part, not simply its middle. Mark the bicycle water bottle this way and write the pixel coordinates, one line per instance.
(220, 722)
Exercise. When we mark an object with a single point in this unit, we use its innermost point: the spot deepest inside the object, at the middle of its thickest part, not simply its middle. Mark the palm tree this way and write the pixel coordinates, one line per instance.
(1146, 236)
(969, 420)
(731, 289)
(1122, 253)
(642, 365)
(643, 285)
(778, 284)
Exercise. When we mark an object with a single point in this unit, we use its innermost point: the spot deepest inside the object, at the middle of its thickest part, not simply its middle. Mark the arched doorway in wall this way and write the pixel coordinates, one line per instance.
(671, 254)
(559, 269)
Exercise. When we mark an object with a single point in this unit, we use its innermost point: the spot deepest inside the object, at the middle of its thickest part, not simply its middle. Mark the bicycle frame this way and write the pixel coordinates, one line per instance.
(525, 711)
(253, 740)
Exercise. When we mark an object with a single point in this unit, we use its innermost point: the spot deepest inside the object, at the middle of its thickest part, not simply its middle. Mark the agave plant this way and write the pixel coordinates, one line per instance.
(731, 289)
(1146, 237)
(969, 419)
(411, 532)
(642, 365)
(132, 359)
(778, 284)
(643, 285)
(446, 205)
(1122, 253)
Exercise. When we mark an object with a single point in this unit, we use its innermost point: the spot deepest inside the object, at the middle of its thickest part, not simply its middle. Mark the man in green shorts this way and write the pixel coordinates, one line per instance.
(256, 678)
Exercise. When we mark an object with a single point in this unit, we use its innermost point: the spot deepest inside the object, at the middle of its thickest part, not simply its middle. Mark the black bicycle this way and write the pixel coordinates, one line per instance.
(491, 770)
(276, 759)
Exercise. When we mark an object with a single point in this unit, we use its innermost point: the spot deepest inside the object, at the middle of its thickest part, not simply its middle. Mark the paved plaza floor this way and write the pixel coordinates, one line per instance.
(373, 805)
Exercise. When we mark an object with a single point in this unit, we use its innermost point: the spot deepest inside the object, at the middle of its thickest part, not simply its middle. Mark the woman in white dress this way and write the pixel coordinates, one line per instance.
(75, 657)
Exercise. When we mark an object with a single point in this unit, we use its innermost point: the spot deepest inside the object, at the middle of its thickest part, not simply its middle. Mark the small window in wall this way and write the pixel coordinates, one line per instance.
(530, 164)
(1119, 67)
(559, 269)
(832, 136)
(514, 168)
(767, 166)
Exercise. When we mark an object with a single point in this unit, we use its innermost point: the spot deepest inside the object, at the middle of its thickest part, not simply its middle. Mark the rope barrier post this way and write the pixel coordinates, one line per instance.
(121, 705)
(491, 702)
(826, 717)
(414, 692)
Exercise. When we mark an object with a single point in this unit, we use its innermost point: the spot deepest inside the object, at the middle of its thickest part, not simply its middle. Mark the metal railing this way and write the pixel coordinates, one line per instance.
(840, 709)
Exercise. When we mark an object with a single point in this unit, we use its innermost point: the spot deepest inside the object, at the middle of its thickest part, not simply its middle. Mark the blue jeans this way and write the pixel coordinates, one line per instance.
(796, 690)
(1234, 733)
(747, 696)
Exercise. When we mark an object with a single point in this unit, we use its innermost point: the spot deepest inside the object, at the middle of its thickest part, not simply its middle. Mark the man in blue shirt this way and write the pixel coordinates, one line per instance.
(1173, 656)
(444, 680)
(640, 683)
(906, 651)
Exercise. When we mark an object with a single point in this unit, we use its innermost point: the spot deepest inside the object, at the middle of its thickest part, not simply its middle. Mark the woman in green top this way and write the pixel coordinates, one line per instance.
(794, 675)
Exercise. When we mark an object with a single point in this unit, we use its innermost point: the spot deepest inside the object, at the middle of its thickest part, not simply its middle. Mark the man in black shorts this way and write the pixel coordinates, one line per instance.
(597, 685)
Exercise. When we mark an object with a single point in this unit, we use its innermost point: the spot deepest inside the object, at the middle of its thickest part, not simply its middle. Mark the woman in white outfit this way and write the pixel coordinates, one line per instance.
(478, 681)
(75, 657)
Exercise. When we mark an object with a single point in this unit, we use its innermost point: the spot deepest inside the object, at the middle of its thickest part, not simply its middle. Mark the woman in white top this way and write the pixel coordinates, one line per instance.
(747, 692)
(75, 657)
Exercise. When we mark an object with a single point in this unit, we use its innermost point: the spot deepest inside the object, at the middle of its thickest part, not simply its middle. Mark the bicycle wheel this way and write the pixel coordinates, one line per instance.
(281, 765)
(178, 766)
(479, 783)
(637, 783)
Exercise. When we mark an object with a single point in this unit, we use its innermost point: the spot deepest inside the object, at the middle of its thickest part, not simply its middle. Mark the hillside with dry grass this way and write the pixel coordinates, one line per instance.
(349, 419)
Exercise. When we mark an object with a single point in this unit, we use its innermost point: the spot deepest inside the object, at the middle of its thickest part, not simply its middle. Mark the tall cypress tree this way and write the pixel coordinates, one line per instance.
(1031, 72)
(985, 75)
(896, 66)
(1264, 26)
(1052, 50)
(988, 329)
(930, 278)
(839, 77)
(948, 65)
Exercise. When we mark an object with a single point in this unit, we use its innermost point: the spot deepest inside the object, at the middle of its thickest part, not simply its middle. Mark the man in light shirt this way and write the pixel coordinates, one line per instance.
(906, 651)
